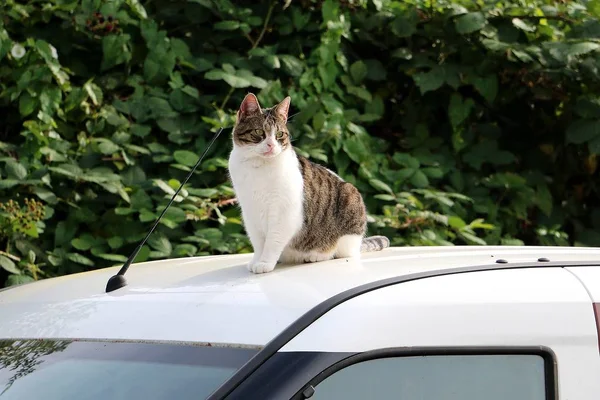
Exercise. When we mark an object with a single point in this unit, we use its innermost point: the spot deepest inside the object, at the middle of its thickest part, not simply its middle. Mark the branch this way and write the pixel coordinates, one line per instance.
(226, 99)
(264, 29)
(227, 202)
(9, 255)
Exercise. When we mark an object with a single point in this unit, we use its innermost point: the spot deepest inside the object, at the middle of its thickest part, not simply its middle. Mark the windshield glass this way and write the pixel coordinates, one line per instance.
(53, 370)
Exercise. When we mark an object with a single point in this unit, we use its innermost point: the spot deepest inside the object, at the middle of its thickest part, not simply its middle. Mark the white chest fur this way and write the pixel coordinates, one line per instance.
(270, 194)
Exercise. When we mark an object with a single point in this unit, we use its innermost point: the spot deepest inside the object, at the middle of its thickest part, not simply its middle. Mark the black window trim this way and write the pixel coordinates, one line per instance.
(549, 357)
(296, 327)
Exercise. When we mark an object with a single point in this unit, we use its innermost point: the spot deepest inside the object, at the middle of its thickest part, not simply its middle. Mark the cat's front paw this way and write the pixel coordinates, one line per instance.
(260, 267)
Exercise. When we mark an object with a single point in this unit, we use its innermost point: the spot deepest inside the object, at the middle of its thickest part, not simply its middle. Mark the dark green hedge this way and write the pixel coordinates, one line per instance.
(460, 122)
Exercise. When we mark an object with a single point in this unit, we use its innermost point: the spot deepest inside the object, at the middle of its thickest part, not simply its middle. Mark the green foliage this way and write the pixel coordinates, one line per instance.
(460, 123)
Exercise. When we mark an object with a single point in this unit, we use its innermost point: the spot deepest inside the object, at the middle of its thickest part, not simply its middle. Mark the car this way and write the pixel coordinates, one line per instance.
(443, 323)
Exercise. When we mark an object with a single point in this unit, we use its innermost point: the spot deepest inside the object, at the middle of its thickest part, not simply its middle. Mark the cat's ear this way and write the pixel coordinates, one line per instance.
(249, 106)
(283, 108)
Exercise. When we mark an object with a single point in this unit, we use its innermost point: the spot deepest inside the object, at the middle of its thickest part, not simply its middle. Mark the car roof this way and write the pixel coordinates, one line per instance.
(216, 300)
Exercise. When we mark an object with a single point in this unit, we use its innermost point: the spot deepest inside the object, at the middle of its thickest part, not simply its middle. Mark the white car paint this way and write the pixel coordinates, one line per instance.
(590, 278)
(523, 307)
(216, 300)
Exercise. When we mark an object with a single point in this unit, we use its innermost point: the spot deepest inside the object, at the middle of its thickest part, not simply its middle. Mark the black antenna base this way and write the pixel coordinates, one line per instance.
(115, 282)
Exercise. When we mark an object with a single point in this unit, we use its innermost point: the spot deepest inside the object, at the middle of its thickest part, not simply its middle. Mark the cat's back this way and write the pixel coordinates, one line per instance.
(318, 178)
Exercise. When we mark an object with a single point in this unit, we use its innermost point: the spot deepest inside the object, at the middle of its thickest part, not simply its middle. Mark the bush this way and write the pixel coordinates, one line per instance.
(460, 123)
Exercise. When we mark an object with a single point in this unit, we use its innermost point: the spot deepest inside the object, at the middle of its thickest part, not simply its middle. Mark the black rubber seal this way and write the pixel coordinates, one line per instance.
(550, 364)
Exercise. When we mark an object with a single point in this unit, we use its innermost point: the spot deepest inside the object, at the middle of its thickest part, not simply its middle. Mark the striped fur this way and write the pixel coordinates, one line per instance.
(293, 210)
(374, 243)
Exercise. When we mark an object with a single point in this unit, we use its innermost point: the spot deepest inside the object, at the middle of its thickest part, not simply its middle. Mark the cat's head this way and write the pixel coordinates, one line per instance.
(262, 132)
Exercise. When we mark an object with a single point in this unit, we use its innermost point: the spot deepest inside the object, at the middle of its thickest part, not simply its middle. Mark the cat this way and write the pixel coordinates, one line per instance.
(293, 210)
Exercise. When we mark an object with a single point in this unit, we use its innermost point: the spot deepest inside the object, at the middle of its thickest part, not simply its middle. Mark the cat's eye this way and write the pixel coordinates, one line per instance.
(259, 132)
(279, 135)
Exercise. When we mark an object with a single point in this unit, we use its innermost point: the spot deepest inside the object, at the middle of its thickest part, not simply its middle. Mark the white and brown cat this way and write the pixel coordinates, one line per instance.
(293, 210)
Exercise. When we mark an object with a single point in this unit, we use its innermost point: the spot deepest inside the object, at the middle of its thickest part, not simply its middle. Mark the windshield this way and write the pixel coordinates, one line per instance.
(63, 370)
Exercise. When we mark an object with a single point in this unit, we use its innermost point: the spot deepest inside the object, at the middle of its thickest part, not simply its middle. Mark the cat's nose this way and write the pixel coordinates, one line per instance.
(270, 145)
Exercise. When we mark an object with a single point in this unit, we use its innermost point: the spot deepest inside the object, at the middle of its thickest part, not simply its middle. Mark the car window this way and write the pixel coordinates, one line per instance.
(53, 370)
(438, 377)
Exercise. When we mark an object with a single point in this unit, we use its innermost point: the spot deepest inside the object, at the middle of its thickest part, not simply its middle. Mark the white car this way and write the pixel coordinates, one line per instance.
(427, 323)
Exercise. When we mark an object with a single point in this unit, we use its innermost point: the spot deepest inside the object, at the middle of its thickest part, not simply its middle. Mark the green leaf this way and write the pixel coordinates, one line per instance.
(115, 50)
(140, 130)
(511, 242)
(94, 92)
(143, 255)
(360, 92)
(5, 44)
(404, 26)
(115, 242)
(355, 149)
(226, 25)
(522, 25)
(13, 280)
(419, 179)
(544, 199)
(232, 80)
(403, 52)
(433, 172)
(14, 170)
(8, 265)
(137, 8)
(83, 243)
(27, 104)
(594, 145)
(583, 131)
(80, 259)
(45, 194)
(291, 64)
(487, 86)
(456, 222)
(175, 215)
(375, 70)
(159, 65)
(161, 244)
(184, 250)
(358, 70)
(385, 197)
(376, 106)
(377, 184)
(107, 147)
(185, 157)
(470, 238)
(134, 175)
(182, 102)
(429, 81)
(458, 109)
(469, 23)
(140, 200)
(8, 183)
(113, 257)
(581, 48)
(330, 10)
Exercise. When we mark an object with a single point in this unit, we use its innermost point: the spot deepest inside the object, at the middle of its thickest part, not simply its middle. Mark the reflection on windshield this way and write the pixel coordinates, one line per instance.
(83, 370)
(21, 358)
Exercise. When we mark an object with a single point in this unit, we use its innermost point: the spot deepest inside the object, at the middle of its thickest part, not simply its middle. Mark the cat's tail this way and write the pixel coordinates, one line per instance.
(374, 243)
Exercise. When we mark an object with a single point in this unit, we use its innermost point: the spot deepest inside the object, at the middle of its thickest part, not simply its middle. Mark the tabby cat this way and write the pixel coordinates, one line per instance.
(293, 210)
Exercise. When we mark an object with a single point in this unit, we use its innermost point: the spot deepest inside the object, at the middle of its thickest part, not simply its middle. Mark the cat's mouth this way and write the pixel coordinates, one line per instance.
(269, 153)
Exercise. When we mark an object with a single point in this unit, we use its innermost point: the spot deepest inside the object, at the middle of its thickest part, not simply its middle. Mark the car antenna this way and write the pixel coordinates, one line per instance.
(118, 281)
